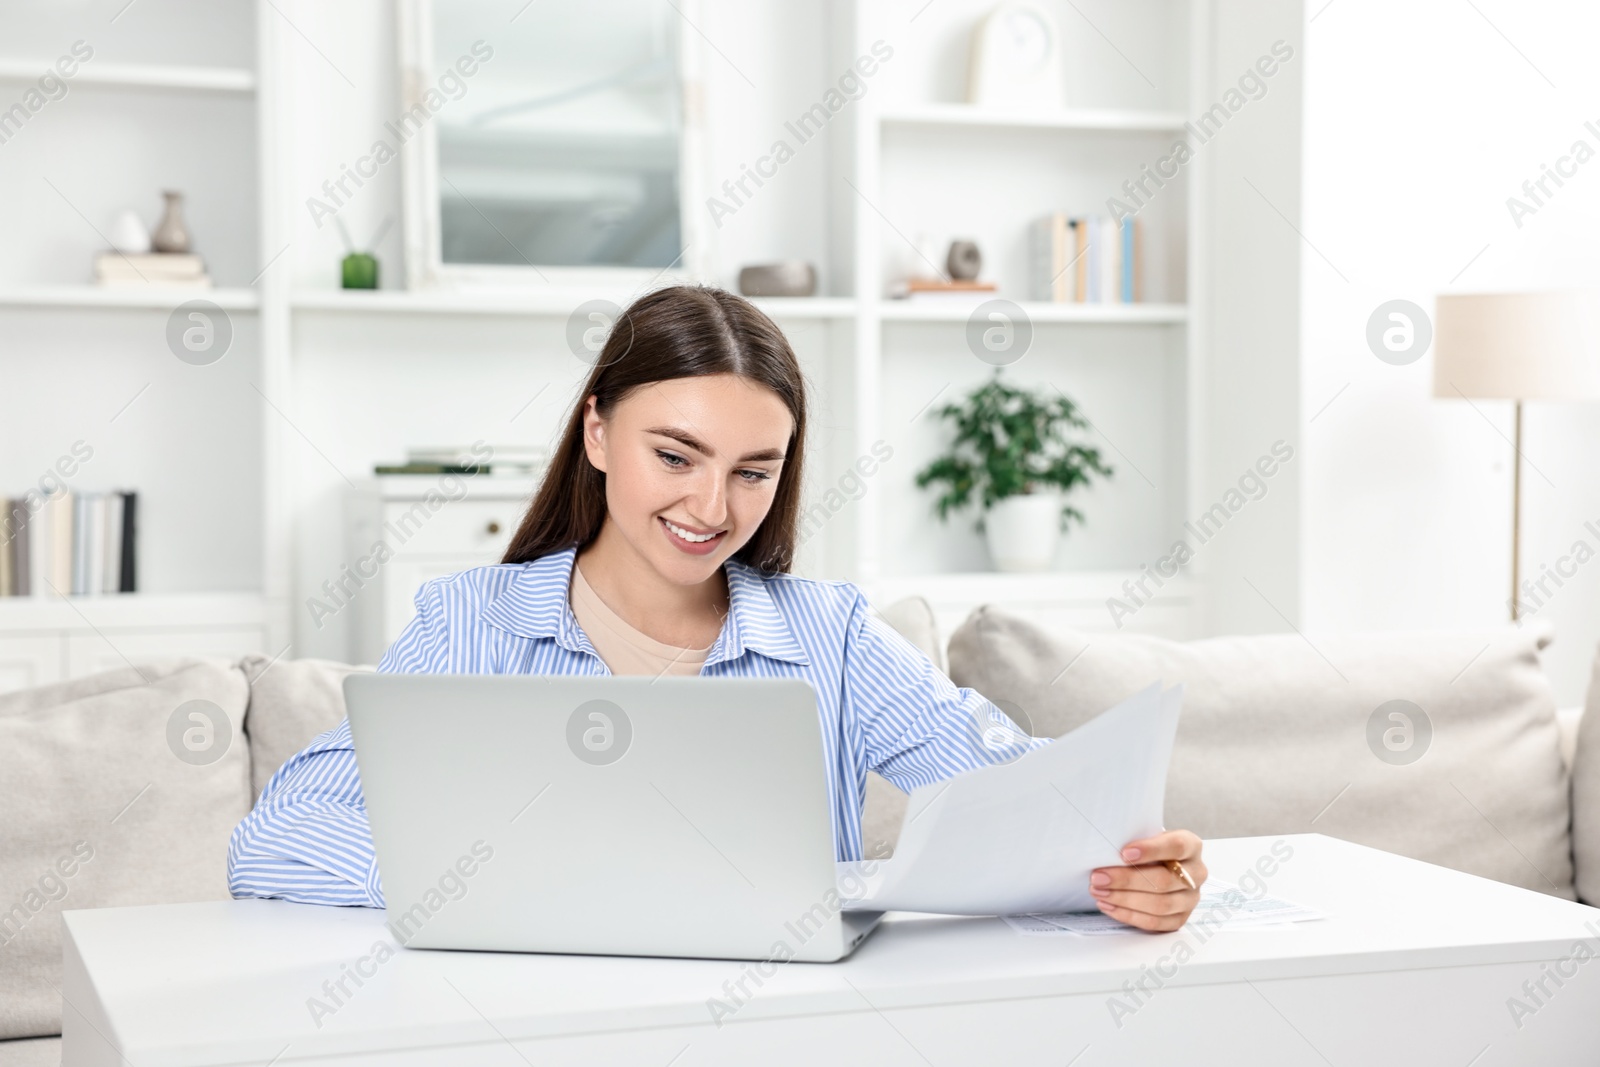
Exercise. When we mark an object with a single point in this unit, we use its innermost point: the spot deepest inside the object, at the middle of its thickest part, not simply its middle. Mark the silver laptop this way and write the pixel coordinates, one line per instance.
(673, 816)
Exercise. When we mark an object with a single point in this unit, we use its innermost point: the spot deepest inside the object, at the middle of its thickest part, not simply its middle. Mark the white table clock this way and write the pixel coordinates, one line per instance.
(1016, 59)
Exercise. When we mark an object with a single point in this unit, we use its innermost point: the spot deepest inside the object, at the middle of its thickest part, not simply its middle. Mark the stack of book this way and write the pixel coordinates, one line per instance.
(509, 460)
(934, 290)
(1085, 260)
(151, 268)
(71, 543)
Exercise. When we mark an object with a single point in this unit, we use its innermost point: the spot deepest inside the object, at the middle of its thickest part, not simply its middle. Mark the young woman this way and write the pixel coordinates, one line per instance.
(660, 542)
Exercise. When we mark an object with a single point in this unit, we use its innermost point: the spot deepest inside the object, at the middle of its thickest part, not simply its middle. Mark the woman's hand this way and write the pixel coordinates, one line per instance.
(1148, 894)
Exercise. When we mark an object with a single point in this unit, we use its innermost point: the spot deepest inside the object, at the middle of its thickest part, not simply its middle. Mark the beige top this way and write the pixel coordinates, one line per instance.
(623, 648)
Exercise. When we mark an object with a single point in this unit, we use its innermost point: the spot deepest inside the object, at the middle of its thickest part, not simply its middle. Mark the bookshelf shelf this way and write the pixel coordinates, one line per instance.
(807, 307)
(183, 611)
(1085, 120)
(535, 303)
(155, 297)
(442, 302)
(49, 639)
(139, 76)
(1038, 312)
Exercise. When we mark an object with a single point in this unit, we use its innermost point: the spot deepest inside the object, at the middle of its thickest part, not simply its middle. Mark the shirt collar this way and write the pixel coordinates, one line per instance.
(536, 604)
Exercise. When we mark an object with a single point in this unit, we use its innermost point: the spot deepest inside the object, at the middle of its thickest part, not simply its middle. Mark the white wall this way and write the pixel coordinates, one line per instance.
(1421, 119)
(1248, 325)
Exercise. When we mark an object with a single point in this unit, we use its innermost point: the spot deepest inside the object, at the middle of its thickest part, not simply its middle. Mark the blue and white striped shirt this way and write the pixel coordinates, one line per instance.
(883, 705)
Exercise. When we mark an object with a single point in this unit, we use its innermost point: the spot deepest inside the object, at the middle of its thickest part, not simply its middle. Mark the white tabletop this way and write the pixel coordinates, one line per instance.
(233, 980)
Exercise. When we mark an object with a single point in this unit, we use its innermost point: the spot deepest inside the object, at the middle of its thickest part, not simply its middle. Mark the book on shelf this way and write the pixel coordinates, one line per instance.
(70, 543)
(453, 459)
(151, 268)
(938, 290)
(83, 525)
(62, 511)
(429, 468)
(1090, 259)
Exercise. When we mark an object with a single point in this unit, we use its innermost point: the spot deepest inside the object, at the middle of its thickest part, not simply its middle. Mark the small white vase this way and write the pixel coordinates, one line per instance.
(1023, 531)
(128, 235)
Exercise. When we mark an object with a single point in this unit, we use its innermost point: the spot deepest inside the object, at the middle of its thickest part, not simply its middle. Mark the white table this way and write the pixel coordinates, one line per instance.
(1415, 965)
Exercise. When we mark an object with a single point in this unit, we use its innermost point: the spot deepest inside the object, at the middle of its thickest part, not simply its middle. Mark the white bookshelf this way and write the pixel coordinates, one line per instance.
(869, 356)
(94, 360)
(921, 160)
(353, 377)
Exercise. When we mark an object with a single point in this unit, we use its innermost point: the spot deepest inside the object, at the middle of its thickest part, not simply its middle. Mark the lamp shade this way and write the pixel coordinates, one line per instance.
(1517, 346)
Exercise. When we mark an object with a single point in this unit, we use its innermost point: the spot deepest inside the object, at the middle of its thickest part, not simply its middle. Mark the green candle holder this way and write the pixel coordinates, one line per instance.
(360, 271)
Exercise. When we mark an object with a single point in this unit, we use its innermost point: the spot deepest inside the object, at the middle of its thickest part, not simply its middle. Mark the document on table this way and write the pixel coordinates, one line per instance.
(1024, 836)
(1223, 906)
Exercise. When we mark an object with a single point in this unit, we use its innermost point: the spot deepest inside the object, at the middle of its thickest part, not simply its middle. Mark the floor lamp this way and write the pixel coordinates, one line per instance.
(1516, 346)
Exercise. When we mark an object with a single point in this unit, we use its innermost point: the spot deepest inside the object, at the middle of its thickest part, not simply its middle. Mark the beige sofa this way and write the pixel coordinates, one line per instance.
(116, 794)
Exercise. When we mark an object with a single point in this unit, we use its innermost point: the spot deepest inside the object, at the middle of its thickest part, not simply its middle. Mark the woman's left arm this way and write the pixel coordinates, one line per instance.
(909, 721)
(915, 726)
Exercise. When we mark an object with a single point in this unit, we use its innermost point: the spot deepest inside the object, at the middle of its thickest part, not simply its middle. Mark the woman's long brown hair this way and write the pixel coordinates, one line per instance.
(678, 332)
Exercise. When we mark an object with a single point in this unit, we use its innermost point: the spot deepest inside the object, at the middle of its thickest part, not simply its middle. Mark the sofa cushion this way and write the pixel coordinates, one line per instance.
(116, 789)
(1586, 794)
(1442, 746)
(291, 702)
(913, 619)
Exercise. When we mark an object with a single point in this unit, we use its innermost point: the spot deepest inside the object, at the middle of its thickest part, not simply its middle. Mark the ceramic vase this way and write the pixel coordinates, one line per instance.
(1023, 531)
(172, 233)
(359, 271)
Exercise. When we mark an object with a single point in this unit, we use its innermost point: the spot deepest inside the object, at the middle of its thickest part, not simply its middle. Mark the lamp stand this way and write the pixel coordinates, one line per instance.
(1516, 506)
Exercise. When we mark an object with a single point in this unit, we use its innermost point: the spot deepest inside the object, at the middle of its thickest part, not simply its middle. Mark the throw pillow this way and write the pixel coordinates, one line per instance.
(291, 702)
(116, 789)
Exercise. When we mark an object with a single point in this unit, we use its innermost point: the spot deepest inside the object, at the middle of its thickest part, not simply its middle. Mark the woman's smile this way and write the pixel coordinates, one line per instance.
(680, 536)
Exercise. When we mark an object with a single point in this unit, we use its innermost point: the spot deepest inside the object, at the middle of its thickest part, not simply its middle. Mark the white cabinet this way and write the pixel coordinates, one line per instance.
(426, 537)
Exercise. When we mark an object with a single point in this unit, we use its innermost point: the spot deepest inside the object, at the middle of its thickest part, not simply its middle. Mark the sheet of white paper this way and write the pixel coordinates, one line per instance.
(1023, 836)
(1223, 906)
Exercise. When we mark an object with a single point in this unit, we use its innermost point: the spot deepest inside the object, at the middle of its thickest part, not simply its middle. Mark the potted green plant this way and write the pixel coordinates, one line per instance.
(1012, 453)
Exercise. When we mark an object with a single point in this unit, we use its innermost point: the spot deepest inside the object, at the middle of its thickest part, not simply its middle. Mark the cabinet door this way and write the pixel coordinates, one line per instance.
(92, 653)
(475, 530)
(26, 662)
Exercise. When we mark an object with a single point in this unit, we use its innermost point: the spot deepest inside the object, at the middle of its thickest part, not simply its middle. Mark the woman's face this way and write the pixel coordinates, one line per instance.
(703, 454)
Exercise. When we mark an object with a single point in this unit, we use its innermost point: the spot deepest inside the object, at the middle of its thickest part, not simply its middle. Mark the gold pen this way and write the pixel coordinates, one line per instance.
(1177, 868)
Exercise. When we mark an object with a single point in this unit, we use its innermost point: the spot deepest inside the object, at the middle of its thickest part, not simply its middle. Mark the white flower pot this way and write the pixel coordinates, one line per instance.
(1023, 531)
